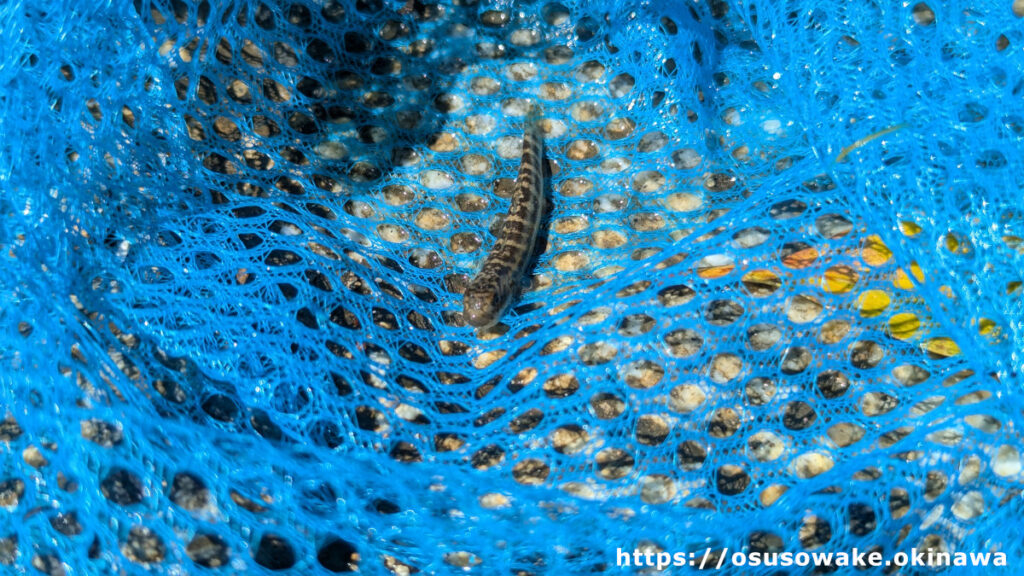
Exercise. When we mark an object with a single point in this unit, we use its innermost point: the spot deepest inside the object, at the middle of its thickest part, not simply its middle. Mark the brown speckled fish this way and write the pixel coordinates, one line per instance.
(490, 292)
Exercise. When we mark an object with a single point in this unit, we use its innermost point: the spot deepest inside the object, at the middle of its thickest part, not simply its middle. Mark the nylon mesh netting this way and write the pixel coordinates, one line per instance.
(776, 304)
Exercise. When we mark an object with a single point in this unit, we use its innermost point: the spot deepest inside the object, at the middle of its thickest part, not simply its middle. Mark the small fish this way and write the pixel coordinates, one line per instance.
(490, 292)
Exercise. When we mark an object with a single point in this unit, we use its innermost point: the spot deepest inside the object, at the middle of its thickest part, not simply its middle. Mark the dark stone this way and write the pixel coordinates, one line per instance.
(103, 433)
(66, 523)
(833, 383)
(122, 487)
(9, 430)
(143, 546)
(8, 550)
(189, 491)
(337, 555)
(274, 552)
(862, 519)
(732, 480)
(11, 491)
(208, 550)
(264, 426)
(221, 408)
(798, 416)
(386, 506)
(48, 564)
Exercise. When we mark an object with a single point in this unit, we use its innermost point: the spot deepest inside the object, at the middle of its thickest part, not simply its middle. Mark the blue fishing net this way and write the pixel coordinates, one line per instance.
(776, 305)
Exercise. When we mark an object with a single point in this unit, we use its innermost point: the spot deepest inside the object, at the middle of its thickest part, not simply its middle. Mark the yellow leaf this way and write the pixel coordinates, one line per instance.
(840, 279)
(910, 228)
(873, 302)
(941, 346)
(904, 325)
(986, 326)
(761, 282)
(875, 252)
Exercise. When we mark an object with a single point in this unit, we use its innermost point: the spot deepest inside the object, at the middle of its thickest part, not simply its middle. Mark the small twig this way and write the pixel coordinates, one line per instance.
(846, 151)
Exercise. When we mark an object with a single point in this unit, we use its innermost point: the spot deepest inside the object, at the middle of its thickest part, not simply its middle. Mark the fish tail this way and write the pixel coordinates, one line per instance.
(534, 114)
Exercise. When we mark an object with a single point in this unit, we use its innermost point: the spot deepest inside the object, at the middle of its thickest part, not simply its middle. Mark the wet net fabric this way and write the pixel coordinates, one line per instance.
(776, 305)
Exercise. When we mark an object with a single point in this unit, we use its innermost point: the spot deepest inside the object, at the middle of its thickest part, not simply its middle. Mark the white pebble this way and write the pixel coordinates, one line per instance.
(436, 179)
(1007, 461)
(772, 126)
(329, 150)
(510, 147)
(969, 505)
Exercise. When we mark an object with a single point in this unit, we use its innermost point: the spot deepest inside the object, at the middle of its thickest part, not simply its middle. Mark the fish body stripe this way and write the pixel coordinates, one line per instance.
(489, 293)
